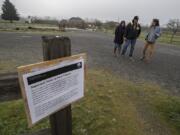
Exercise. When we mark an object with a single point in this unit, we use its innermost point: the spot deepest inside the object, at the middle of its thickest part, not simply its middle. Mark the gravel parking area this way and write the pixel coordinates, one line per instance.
(19, 49)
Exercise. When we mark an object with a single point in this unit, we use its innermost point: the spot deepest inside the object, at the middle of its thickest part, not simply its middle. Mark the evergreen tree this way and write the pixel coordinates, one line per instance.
(9, 11)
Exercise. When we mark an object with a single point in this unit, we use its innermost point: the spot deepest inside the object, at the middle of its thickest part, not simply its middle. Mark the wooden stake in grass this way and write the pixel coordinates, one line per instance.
(53, 48)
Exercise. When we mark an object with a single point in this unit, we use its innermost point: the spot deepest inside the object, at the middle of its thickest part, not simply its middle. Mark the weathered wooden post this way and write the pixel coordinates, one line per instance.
(53, 48)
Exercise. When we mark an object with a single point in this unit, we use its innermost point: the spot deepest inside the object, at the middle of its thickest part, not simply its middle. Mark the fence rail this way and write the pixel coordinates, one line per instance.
(9, 87)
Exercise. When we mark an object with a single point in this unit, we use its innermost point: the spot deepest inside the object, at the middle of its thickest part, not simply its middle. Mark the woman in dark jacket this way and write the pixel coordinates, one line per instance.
(119, 37)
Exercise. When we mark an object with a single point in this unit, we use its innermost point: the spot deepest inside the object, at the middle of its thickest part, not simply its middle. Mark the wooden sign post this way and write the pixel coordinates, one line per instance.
(53, 48)
(53, 84)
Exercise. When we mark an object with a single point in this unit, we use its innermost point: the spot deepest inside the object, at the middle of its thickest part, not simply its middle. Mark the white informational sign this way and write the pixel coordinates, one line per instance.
(48, 90)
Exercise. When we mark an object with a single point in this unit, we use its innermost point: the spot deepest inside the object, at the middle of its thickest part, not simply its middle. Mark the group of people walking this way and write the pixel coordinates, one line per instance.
(128, 34)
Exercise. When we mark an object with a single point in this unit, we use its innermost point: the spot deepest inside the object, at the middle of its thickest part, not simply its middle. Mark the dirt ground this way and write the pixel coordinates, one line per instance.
(18, 49)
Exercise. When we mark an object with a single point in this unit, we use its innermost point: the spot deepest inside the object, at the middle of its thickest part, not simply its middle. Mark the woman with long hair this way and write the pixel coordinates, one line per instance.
(153, 34)
(119, 37)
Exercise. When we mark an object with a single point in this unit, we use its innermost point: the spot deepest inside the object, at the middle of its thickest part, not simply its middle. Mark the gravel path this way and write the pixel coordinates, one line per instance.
(20, 49)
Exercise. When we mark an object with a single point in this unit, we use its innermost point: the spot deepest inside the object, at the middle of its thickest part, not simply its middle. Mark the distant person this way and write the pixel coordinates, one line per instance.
(132, 32)
(119, 37)
(153, 34)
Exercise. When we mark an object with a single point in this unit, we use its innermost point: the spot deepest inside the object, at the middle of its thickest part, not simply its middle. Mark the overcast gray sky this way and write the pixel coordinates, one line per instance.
(101, 9)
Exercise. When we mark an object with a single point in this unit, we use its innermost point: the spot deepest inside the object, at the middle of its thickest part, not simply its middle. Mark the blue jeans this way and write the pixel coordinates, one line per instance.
(126, 45)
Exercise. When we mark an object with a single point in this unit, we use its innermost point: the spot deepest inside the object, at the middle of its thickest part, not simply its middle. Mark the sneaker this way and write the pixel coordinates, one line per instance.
(115, 55)
(122, 56)
(132, 59)
(147, 61)
(142, 58)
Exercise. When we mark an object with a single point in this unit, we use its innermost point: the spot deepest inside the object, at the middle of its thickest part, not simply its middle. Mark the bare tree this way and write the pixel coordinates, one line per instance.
(174, 26)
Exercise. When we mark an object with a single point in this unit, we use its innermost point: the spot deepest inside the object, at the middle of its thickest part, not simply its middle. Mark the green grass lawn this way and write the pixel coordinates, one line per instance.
(18, 24)
(29, 28)
(42, 29)
(111, 106)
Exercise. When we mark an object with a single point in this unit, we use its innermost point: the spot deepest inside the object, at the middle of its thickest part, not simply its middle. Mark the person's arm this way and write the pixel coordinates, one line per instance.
(158, 32)
(116, 31)
(139, 32)
(126, 30)
(123, 32)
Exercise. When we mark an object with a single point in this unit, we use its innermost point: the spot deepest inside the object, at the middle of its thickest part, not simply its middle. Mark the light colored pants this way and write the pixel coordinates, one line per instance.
(148, 51)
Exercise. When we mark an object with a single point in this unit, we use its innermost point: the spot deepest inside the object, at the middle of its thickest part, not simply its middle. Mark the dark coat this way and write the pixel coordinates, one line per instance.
(132, 32)
(119, 35)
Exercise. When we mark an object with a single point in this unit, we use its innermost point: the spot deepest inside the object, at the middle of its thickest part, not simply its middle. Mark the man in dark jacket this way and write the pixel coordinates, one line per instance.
(132, 32)
(119, 37)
